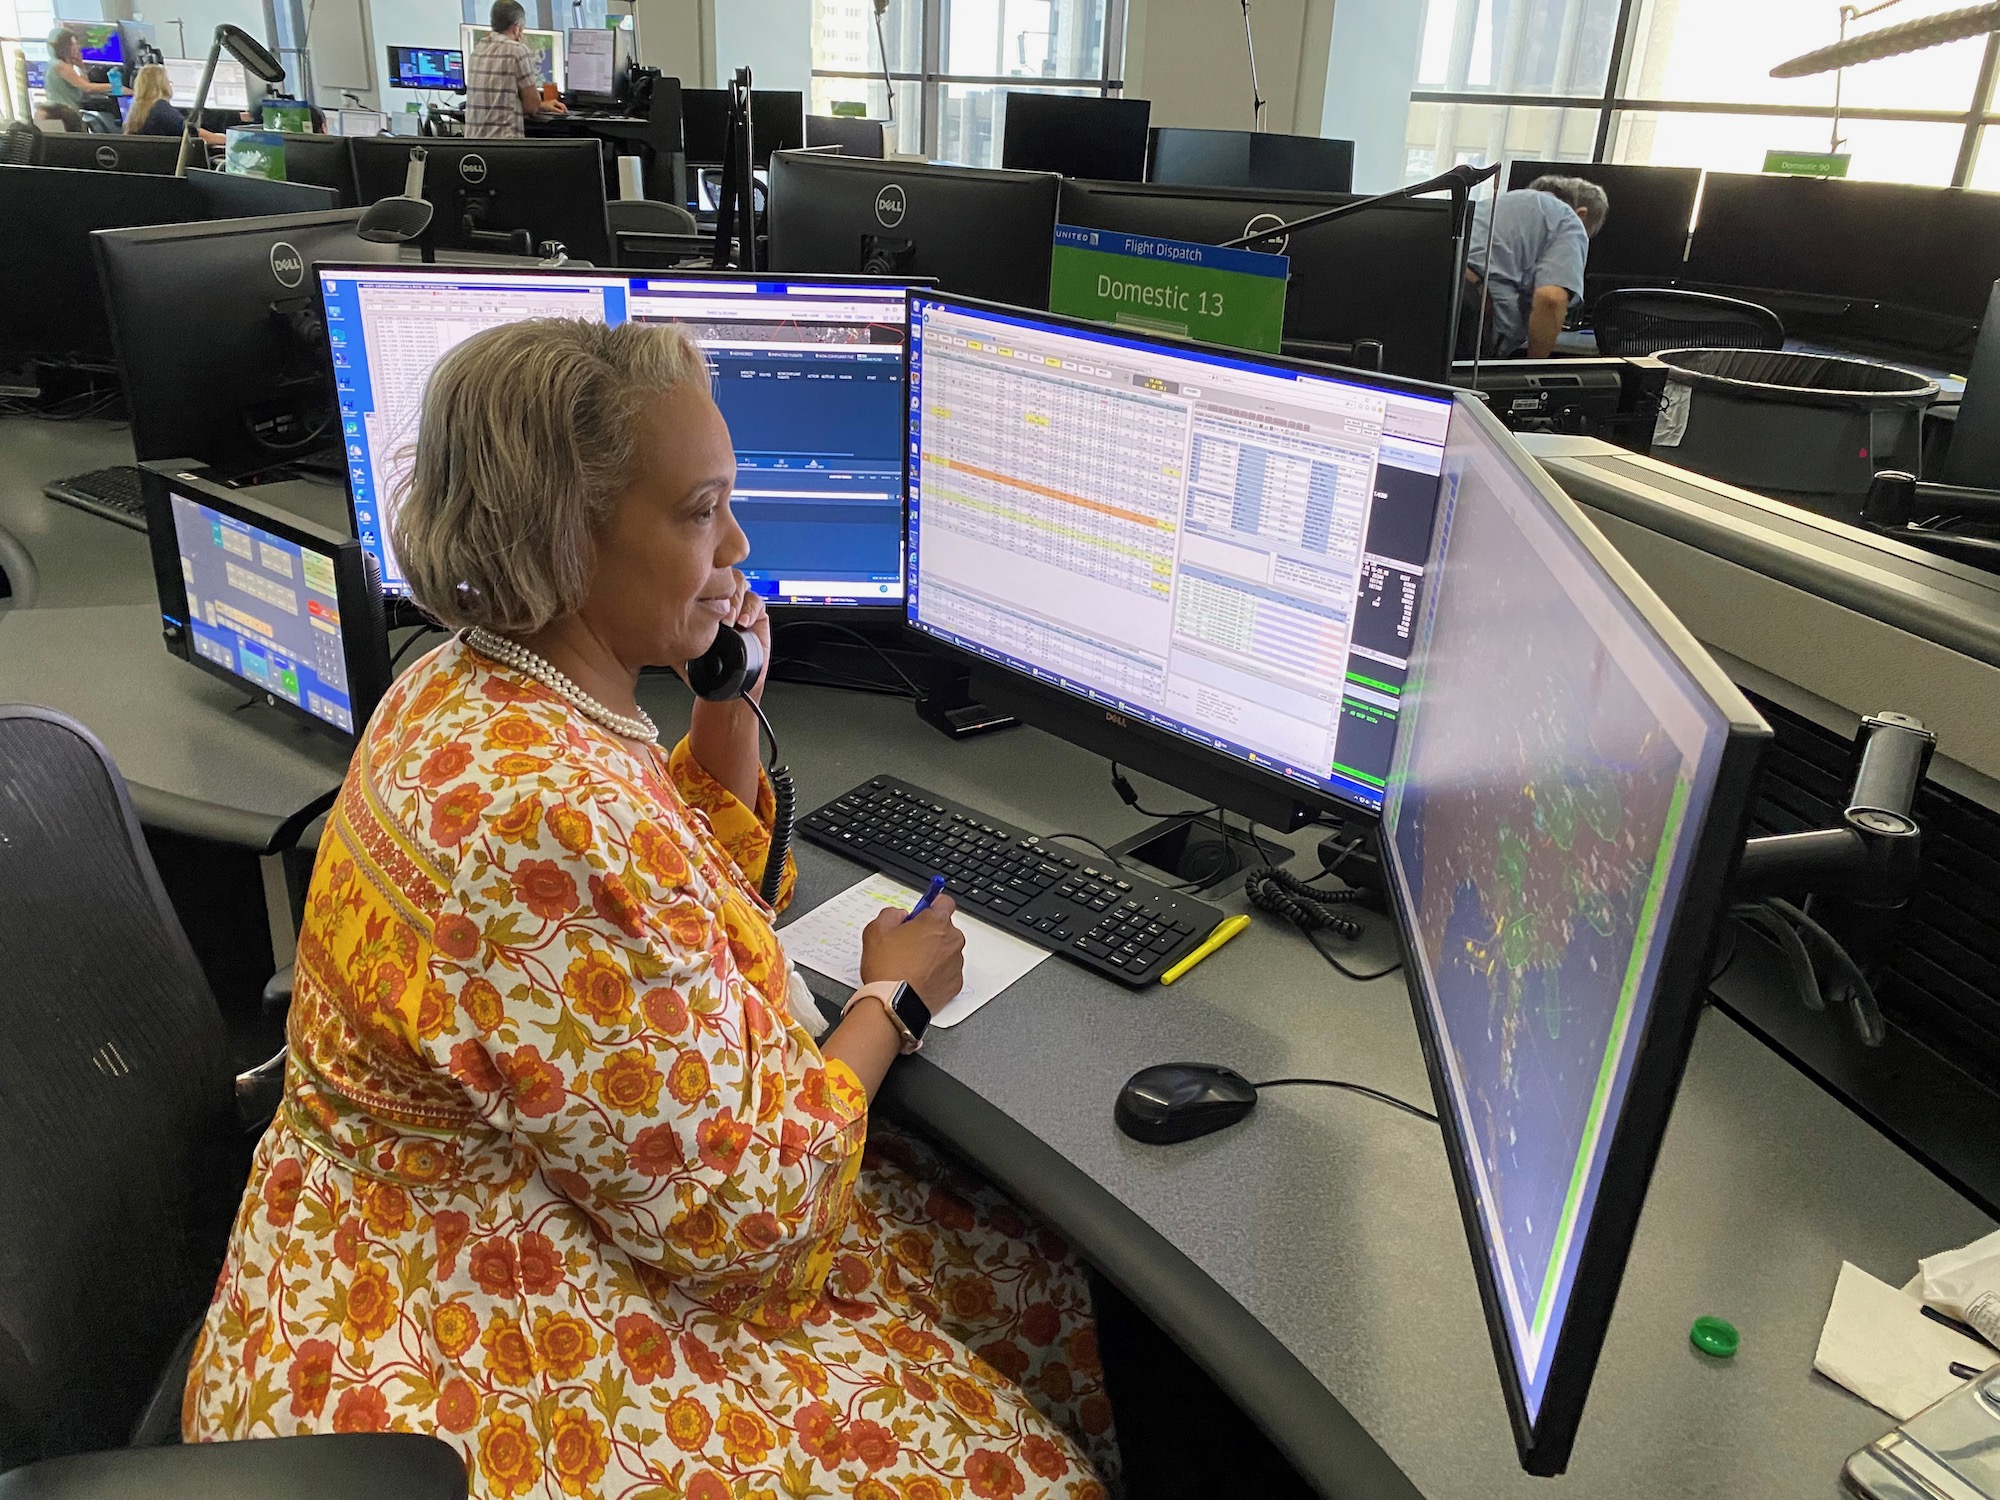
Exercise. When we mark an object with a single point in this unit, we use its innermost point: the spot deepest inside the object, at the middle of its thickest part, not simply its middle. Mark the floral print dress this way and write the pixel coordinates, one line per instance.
(560, 1177)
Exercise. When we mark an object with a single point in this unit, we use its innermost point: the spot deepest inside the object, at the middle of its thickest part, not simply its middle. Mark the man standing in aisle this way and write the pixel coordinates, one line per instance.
(1540, 238)
(503, 88)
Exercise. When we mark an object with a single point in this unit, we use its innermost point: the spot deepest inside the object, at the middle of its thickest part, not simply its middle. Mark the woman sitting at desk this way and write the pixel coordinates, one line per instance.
(560, 1174)
(68, 85)
(153, 111)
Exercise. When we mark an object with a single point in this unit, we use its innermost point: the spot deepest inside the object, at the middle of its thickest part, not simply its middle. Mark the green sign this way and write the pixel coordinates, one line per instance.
(254, 153)
(1206, 292)
(297, 119)
(1807, 163)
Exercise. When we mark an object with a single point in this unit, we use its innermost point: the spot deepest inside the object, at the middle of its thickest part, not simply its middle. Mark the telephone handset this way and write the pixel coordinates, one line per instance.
(728, 668)
(722, 674)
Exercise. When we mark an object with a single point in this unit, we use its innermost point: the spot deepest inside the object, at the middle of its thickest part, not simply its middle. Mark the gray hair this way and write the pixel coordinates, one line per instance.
(1581, 194)
(507, 14)
(529, 432)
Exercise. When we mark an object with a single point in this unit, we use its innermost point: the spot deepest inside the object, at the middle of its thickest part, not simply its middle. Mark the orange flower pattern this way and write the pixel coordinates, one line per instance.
(559, 1178)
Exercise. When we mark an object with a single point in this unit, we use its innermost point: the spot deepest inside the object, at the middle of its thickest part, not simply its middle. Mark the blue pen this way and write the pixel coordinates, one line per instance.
(936, 890)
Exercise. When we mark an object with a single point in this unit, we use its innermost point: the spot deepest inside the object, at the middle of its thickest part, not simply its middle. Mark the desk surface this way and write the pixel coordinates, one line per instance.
(1326, 1218)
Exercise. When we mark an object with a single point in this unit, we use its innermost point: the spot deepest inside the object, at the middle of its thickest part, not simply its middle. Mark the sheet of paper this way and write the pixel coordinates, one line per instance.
(827, 940)
(1878, 1343)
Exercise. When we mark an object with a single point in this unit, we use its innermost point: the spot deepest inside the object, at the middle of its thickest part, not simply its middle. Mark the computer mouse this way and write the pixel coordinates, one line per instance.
(1180, 1101)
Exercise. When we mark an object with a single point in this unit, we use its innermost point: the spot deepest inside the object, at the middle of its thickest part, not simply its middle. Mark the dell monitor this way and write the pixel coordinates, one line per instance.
(219, 340)
(808, 373)
(1201, 563)
(322, 161)
(1645, 238)
(1103, 139)
(1250, 159)
(777, 123)
(508, 197)
(853, 137)
(62, 322)
(156, 155)
(979, 233)
(99, 41)
(1571, 790)
(1389, 274)
(268, 602)
(600, 68)
(228, 90)
(427, 68)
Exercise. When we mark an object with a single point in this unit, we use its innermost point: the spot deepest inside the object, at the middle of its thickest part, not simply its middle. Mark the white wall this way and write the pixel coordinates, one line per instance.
(1189, 57)
(1370, 71)
(201, 18)
(678, 38)
(772, 37)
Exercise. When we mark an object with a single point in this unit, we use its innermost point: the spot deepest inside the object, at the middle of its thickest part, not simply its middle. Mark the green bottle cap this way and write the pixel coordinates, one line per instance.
(1714, 1336)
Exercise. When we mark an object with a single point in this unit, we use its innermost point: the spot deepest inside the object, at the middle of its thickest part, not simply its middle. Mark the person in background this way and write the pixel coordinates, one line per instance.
(503, 87)
(1539, 238)
(153, 111)
(68, 85)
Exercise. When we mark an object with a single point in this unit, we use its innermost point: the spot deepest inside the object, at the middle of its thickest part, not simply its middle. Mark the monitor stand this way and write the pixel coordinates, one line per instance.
(949, 707)
(1202, 850)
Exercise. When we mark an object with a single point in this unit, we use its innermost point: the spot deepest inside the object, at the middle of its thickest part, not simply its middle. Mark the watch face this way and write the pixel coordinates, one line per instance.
(910, 1006)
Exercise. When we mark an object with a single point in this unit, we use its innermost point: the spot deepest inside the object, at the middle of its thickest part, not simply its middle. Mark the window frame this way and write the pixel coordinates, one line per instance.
(1613, 101)
(932, 80)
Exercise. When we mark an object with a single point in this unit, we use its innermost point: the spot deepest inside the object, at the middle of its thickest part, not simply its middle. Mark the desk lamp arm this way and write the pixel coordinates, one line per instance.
(1459, 182)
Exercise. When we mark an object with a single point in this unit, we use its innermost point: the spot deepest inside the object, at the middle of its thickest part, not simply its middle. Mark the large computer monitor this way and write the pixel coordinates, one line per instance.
(777, 123)
(267, 602)
(547, 48)
(1936, 250)
(99, 41)
(600, 67)
(502, 196)
(979, 233)
(1391, 273)
(854, 137)
(1645, 238)
(1250, 159)
(232, 195)
(229, 89)
(156, 155)
(1104, 139)
(808, 373)
(1202, 563)
(427, 68)
(1569, 797)
(219, 339)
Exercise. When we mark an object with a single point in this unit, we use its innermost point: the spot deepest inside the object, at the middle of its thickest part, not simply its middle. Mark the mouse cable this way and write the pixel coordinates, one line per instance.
(1353, 1088)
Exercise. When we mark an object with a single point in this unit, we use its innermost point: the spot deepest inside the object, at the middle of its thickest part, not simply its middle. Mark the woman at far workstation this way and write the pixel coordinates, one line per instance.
(153, 111)
(561, 1174)
(68, 86)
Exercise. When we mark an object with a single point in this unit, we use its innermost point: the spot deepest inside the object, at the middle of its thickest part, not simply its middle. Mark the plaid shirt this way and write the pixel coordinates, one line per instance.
(501, 68)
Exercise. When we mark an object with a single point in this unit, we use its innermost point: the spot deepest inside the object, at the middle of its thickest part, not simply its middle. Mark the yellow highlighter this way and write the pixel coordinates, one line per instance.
(1225, 930)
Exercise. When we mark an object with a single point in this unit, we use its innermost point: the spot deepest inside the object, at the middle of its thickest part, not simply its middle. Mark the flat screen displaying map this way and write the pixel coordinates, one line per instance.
(1570, 764)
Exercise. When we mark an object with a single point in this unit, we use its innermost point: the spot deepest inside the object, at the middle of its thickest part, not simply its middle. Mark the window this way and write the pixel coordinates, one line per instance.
(951, 60)
(1687, 83)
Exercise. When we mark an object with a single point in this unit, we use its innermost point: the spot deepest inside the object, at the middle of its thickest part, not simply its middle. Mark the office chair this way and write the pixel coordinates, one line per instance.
(21, 146)
(1645, 320)
(649, 235)
(649, 216)
(1973, 459)
(124, 1159)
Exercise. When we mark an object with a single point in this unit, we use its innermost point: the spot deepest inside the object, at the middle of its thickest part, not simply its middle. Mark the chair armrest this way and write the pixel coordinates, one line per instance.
(259, 1092)
(348, 1466)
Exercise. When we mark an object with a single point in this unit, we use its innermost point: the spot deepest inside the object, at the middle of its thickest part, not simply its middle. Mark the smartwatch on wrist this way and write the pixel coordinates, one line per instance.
(906, 1011)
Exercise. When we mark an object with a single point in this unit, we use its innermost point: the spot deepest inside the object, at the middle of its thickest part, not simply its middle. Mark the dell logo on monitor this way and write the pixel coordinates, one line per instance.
(287, 264)
(890, 206)
(472, 168)
(1263, 224)
(107, 158)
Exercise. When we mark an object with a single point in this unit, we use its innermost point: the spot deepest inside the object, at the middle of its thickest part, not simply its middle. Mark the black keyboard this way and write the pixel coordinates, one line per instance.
(113, 494)
(1127, 928)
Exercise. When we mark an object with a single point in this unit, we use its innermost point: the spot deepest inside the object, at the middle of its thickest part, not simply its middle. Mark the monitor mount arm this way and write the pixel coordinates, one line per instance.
(1458, 181)
(1903, 508)
(1863, 873)
(1257, 100)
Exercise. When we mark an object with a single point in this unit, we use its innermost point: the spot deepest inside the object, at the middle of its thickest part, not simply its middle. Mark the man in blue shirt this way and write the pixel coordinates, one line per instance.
(1539, 240)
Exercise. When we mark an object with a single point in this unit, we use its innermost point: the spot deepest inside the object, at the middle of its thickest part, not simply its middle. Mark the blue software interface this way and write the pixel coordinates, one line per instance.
(264, 609)
(1554, 770)
(1229, 550)
(428, 68)
(809, 376)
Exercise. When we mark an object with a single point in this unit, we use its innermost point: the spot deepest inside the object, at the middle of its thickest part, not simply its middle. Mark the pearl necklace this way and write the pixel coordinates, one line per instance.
(521, 659)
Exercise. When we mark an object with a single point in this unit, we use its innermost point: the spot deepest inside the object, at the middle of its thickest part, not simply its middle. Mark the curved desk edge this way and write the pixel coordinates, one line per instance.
(1321, 1439)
